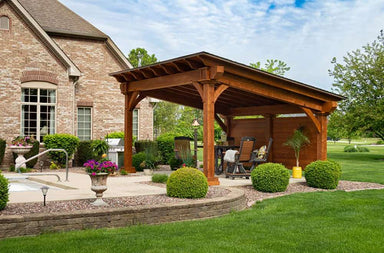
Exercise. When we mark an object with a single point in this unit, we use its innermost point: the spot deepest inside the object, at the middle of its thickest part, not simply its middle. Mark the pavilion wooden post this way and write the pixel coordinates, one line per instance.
(209, 133)
(322, 137)
(131, 100)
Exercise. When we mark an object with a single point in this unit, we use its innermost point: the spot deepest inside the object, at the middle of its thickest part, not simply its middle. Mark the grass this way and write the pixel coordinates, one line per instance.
(365, 167)
(307, 222)
(331, 221)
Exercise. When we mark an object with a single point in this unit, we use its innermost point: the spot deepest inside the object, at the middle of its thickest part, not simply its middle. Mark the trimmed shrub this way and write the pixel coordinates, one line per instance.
(99, 147)
(166, 145)
(187, 182)
(270, 177)
(34, 151)
(380, 142)
(4, 192)
(3, 145)
(137, 159)
(350, 148)
(323, 174)
(115, 135)
(63, 141)
(175, 163)
(83, 153)
(159, 178)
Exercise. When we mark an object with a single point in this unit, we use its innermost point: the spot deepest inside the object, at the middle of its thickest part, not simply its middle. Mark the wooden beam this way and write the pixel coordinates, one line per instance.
(322, 137)
(265, 109)
(128, 120)
(270, 92)
(329, 107)
(313, 119)
(215, 72)
(219, 90)
(137, 100)
(169, 80)
(132, 96)
(221, 123)
(209, 134)
(199, 88)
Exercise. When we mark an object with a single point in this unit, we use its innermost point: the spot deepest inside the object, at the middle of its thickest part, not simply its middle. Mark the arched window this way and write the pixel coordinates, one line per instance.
(4, 23)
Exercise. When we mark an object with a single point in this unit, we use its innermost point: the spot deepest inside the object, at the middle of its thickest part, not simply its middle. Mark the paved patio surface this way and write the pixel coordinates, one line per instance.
(79, 186)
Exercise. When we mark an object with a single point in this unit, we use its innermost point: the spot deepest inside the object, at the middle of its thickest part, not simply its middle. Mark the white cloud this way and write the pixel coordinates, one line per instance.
(246, 31)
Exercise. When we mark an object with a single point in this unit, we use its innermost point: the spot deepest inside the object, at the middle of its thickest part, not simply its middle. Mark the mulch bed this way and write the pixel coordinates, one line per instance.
(213, 192)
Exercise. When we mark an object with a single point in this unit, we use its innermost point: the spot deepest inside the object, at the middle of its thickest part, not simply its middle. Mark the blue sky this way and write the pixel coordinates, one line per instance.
(306, 34)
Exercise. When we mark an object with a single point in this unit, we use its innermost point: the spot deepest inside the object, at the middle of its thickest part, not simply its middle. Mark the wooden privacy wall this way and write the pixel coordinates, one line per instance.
(282, 128)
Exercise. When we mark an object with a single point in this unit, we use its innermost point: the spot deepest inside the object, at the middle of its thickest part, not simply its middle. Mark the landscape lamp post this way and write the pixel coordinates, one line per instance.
(195, 125)
(44, 190)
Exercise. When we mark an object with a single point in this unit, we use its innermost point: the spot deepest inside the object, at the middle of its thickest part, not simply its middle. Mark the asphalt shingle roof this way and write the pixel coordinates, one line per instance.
(56, 18)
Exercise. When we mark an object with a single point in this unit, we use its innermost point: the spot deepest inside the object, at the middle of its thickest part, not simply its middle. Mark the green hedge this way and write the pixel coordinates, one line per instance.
(63, 141)
(137, 159)
(187, 183)
(3, 145)
(166, 145)
(323, 174)
(4, 192)
(175, 163)
(351, 148)
(34, 151)
(83, 153)
(141, 146)
(159, 178)
(270, 177)
(115, 135)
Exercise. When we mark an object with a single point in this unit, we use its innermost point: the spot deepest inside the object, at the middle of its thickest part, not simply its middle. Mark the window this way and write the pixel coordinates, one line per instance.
(4, 23)
(84, 123)
(135, 123)
(38, 112)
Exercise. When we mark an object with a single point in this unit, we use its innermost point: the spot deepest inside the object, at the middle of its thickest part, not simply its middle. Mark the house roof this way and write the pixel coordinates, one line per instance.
(55, 18)
(243, 89)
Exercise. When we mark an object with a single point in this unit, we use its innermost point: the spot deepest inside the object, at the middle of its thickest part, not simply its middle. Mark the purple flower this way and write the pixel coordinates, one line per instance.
(93, 173)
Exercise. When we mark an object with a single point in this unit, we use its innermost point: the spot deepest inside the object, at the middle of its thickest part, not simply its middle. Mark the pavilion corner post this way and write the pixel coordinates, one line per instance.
(128, 118)
(322, 137)
(209, 131)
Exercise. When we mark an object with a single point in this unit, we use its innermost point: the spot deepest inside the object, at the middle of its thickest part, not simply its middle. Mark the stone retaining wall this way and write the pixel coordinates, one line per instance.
(34, 224)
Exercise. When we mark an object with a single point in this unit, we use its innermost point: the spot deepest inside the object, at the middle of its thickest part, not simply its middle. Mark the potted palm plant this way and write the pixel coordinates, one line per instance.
(296, 142)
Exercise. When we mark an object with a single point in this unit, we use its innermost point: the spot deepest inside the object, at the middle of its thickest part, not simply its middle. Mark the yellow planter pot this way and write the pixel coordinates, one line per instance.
(297, 172)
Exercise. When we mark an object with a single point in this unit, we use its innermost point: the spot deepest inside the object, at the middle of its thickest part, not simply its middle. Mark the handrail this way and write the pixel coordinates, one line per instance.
(44, 152)
(43, 174)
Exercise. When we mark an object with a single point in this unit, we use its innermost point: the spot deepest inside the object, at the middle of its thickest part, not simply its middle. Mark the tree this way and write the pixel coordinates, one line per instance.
(165, 117)
(139, 57)
(272, 66)
(360, 78)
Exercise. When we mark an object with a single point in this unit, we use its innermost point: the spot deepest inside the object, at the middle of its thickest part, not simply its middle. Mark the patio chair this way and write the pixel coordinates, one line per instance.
(261, 155)
(183, 148)
(244, 155)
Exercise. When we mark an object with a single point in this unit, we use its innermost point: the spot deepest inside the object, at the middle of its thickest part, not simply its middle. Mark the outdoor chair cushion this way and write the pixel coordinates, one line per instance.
(230, 155)
(262, 152)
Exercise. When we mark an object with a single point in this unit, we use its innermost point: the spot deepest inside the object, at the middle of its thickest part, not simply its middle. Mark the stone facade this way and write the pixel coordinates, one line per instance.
(25, 58)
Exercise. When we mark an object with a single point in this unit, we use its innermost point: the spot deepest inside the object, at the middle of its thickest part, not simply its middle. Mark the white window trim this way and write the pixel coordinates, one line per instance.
(38, 86)
(138, 123)
(77, 120)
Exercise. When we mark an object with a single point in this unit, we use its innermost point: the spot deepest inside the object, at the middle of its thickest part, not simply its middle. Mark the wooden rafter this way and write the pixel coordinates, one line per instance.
(221, 123)
(266, 109)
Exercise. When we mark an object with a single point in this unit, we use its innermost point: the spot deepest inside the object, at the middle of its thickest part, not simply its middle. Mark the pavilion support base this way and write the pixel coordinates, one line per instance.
(213, 181)
(130, 170)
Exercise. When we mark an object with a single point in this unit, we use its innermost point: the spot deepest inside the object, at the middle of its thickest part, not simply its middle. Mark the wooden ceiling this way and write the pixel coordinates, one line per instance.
(247, 91)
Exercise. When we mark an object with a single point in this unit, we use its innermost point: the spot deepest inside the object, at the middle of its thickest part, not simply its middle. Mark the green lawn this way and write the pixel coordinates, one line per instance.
(366, 167)
(308, 222)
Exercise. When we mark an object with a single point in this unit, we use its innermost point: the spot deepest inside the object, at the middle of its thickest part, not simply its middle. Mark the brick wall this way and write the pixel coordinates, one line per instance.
(21, 225)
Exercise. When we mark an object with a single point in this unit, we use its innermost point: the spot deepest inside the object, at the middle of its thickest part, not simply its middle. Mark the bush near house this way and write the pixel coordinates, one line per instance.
(166, 145)
(159, 178)
(62, 141)
(3, 145)
(137, 159)
(34, 151)
(141, 146)
(323, 174)
(4, 192)
(83, 153)
(187, 182)
(270, 177)
(174, 162)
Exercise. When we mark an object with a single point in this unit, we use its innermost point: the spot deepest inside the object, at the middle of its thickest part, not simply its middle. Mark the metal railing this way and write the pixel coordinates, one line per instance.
(42, 153)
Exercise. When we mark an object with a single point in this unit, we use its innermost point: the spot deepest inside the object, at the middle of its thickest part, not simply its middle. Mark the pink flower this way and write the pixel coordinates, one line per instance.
(93, 173)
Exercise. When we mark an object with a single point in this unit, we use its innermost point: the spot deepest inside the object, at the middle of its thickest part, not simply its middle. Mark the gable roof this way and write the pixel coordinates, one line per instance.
(56, 18)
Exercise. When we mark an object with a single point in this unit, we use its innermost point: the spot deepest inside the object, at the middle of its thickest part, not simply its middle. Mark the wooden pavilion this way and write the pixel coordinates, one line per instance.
(224, 89)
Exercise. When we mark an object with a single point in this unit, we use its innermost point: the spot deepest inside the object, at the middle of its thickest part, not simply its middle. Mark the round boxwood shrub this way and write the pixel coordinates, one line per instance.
(270, 177)
(3, 192)
(187, 182)
(137, 159)
(323, 174)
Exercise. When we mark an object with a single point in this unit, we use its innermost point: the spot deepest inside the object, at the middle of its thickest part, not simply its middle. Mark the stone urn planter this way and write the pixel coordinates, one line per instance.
(99, 185)
(148, 172)
(20, 151)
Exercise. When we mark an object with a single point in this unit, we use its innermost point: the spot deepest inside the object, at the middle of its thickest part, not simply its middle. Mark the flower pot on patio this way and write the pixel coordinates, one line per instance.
(20, 151)
(297, 172)
(99, 185)
(148, 172)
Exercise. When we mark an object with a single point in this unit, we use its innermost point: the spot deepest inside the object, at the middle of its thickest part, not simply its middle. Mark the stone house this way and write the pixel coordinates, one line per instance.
(54, 76)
